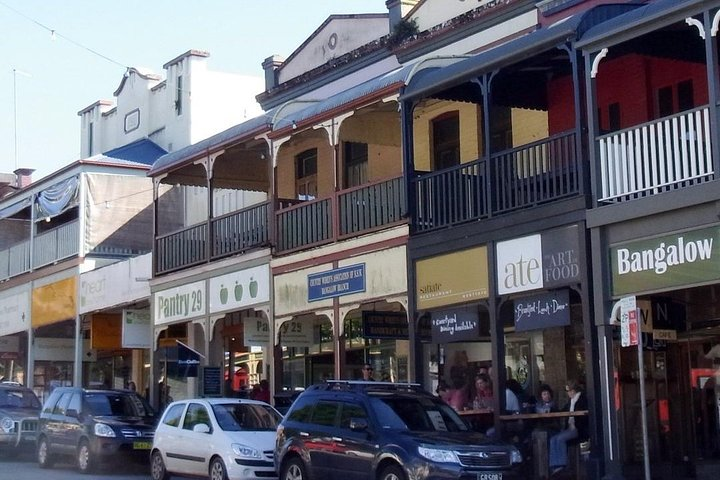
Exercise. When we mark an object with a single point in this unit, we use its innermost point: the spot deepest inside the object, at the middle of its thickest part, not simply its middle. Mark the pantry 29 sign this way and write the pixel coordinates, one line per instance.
(680, 259)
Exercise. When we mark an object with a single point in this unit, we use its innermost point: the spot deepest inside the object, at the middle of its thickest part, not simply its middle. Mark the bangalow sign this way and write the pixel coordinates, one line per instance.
(680, 259)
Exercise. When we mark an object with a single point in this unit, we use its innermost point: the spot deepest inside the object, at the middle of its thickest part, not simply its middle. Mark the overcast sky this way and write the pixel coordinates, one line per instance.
(44, 82)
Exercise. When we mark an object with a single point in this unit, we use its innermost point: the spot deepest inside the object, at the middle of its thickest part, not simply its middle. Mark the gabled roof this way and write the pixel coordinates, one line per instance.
(143, 151)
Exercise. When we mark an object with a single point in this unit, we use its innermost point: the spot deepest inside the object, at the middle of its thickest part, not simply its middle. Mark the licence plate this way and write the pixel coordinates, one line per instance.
(142, 445)
(489, 476)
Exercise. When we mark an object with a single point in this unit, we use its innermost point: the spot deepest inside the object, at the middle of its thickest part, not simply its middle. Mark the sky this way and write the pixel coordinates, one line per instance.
(45, 81)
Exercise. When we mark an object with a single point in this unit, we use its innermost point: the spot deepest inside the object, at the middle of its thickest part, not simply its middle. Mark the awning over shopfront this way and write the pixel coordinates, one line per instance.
(534, 43)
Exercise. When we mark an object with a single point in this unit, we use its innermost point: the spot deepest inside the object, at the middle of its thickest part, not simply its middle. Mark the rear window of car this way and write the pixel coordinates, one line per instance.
(235, 417)
(421, 414)
(117, 405)
(18, 399)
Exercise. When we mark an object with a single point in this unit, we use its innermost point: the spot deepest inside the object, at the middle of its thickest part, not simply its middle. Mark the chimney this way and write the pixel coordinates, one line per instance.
(23, 177)
(398, 9)
(271, 65)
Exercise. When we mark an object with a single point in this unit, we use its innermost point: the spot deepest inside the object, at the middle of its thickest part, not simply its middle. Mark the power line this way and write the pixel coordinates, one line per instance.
(54, 33)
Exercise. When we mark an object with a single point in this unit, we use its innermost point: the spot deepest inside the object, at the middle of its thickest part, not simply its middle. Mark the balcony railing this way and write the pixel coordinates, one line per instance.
(242, 230)
(345, 214)
(232, 233)
(56, 244)
(533, 174)
(670, 153)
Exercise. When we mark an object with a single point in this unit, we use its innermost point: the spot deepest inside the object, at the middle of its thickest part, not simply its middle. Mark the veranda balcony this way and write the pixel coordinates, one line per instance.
(514, 179)
(48, 247)
(345, 214)
(229, 234)
(667, 154)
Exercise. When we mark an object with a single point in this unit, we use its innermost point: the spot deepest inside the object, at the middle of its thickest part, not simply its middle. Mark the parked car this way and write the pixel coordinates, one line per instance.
(94, 427)
(219, 438)
(386, 431)
(19, 410)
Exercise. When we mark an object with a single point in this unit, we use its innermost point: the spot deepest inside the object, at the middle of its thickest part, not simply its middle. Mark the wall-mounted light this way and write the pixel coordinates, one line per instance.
(47, 219)
(294, 125)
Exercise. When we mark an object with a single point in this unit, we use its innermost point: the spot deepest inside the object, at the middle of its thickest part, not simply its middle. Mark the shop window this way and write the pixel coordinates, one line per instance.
(355, 155)
(306, 174)
(501, 129)
(665, 101)
(446, 141)
(686, 96)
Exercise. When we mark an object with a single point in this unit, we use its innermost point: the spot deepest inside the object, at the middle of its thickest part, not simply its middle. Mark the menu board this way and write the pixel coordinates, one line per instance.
(212, 382)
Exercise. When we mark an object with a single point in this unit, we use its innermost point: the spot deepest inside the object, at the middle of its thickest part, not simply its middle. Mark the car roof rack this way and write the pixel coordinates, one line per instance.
(364, 385)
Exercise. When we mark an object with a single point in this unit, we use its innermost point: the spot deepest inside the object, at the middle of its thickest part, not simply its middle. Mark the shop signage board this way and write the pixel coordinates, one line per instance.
(455, 325)
(212, 381)
(61, 350)
(188, 361)
(256, 332)
(669, 261)
(241, 289)
(336, 282)
(389, 325)
(544, 260)
(296, 333)
(545, 310)
(117, 284)
(106, 331)
(14, 312)
(9, 345)
(179, 303)
(453, 278)
(54, 302)
(136, 328)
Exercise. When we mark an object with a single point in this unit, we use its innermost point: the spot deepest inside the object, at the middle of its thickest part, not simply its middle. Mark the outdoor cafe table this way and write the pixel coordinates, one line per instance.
(540, 436)
(480, 418)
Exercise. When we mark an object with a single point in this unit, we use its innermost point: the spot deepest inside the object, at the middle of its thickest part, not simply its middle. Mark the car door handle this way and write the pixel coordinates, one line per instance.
(304, 434)
(337, 439)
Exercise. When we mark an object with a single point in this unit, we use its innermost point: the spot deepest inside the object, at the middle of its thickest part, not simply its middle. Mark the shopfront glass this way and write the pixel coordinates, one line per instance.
(307, 347)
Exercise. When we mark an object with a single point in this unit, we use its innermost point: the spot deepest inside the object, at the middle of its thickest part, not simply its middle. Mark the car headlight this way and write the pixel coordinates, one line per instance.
(245, 452)
(7, 425)
(102, 430)
(515, 456)
(438, 455)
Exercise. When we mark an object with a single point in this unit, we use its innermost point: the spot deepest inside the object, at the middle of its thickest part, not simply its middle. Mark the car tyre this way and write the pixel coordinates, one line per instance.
(85, 459)
(157, 467)
(44, 458)
(393, 472)
(217, 470)
(293, 469)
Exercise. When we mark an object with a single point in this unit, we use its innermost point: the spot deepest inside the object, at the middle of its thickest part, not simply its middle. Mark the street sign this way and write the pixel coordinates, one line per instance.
(628, 322)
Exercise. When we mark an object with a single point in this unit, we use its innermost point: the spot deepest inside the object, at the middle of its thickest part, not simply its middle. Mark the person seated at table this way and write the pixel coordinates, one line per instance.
(546, 401)
(481, 392)
(575, 428)
(458, 395)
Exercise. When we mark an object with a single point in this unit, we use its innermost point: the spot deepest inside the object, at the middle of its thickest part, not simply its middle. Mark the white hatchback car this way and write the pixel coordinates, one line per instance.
(219, 438)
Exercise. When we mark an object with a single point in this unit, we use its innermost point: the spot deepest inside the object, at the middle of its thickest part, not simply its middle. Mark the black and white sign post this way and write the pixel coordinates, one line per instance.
(630, 335)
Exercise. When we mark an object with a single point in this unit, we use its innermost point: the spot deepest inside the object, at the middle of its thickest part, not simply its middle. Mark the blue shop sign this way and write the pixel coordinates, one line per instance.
(337, 282)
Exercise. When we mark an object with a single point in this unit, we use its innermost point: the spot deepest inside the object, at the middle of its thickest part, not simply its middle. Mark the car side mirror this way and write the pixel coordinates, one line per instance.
(358, 424)
(201, 428)
(72, 413)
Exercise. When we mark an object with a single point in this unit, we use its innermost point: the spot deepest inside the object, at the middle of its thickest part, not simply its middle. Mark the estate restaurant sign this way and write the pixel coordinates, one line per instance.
(544, 260)
(676, 260)
(457, 277)
(455, 325)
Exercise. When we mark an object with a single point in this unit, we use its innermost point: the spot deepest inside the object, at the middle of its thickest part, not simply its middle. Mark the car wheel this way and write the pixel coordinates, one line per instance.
(217, 470)
(293, 469)
(157, 467)
(393, 472)
(44, 458)
(85, 460)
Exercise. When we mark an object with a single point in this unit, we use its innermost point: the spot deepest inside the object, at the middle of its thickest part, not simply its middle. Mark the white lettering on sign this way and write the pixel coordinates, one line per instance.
(664, 256)
(179, 303)
(449, 324)
(519, 264)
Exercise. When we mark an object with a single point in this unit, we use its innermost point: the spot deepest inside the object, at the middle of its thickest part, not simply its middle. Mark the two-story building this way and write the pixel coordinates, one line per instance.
(94, 212)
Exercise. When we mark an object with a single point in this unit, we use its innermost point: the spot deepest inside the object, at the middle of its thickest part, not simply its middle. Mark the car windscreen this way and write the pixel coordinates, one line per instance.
(417, 414)
(117, 405)
(234, 417)
(18, 399)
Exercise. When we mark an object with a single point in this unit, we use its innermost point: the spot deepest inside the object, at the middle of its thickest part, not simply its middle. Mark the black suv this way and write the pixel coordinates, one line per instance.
(94, 426)
(384, 431)
(19, 410)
